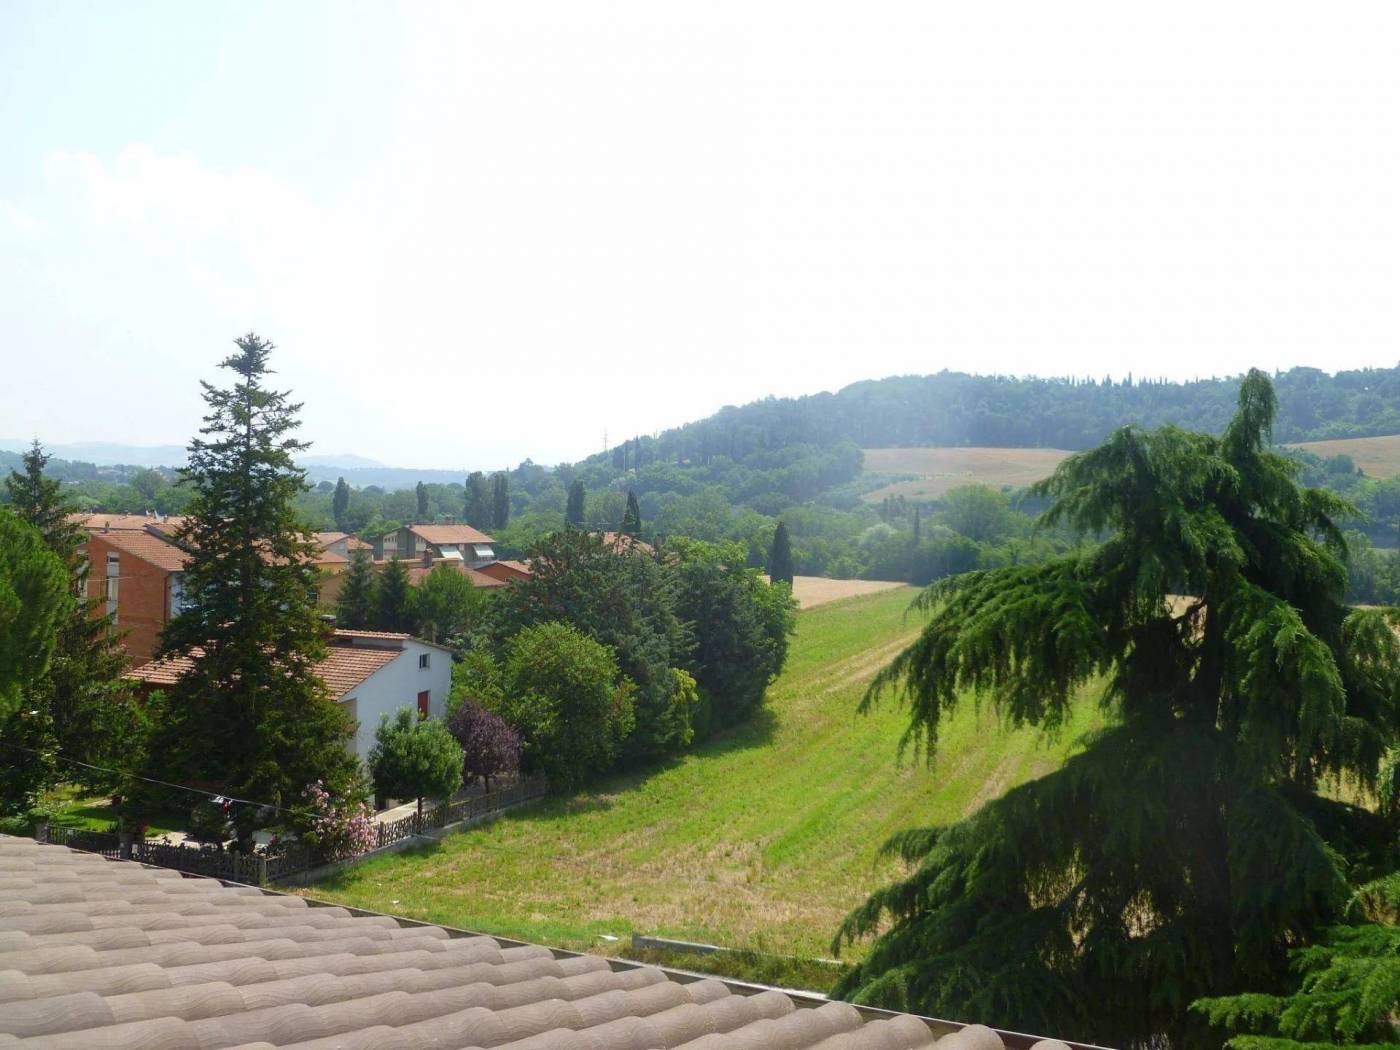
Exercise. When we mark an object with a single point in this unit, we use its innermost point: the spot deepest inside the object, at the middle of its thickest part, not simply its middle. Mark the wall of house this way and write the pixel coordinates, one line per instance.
(397, 684)
(143, 597)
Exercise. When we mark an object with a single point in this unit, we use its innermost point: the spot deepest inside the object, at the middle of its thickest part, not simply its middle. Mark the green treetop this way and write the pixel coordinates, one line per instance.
(34, 599)
(780, 556)
(632, 519)
(500, 501)
(251, 715)
(415, 758)
(420, 493)
(1188, 846)
(573, 512)
(356, 605)
(392, 598)
(476, 510)
(340, 504)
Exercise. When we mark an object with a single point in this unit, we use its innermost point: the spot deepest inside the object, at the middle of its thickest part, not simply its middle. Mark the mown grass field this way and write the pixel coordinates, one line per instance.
(940, 469)
(761, 840)
(1377, 456)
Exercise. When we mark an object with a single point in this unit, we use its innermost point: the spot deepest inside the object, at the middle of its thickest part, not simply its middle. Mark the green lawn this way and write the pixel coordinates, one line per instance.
(760, 840)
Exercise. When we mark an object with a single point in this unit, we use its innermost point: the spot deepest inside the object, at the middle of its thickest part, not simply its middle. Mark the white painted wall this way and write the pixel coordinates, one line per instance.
(397, 684)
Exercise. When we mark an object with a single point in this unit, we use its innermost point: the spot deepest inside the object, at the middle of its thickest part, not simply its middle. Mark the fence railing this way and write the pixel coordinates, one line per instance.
(262, 867)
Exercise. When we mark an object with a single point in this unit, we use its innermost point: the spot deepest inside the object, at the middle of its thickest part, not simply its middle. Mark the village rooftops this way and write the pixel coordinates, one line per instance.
(99, 953)
(449, 535)
(99, 522)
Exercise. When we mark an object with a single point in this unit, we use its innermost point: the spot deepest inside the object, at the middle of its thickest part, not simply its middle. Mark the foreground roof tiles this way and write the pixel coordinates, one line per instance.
(97, 953)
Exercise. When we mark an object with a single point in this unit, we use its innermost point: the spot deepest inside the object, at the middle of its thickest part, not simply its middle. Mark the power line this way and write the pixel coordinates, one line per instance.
(148, 780)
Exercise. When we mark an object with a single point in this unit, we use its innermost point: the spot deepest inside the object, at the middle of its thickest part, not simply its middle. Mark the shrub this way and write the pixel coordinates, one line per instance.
(337, 828)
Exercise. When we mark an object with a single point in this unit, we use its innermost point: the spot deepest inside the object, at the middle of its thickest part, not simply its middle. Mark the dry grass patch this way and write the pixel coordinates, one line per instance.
(1377, 456)
(940, 469)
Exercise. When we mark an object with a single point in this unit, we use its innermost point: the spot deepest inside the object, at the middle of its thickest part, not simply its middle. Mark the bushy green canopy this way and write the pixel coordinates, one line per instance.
(33, 600)
(1187, 848)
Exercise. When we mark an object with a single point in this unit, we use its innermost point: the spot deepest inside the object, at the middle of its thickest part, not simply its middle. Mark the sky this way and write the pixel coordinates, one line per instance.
(484, 232)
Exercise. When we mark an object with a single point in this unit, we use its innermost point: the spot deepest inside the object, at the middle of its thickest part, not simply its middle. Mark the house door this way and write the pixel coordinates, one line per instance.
(423, 703)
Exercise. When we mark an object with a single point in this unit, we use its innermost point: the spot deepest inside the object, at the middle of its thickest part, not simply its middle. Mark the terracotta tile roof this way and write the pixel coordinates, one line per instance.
(346, 632)
(344, 667)
(352, 543)
(416, 573)
(96, 522)
(99, 953)
(505, 571)
(149, 548)
(326, 557)
(439, 534)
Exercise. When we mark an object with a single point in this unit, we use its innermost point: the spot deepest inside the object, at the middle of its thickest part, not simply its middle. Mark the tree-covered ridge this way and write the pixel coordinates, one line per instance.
(1189, 847)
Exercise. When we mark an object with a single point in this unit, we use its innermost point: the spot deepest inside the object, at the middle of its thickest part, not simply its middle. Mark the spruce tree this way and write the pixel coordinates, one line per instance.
(573, 512)
(251, 716)
(356, 605)
(780, 556)
(1190, 844)
(500, 501)
(392, 598)
(421, 492)
(632, 519)
(340, 504)
(87, 708)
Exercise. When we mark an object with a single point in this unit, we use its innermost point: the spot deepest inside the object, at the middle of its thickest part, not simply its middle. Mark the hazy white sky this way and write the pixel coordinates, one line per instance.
(480, 232)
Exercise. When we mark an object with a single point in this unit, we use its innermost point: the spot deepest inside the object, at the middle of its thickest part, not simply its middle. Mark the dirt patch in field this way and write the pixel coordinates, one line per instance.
(818, 590)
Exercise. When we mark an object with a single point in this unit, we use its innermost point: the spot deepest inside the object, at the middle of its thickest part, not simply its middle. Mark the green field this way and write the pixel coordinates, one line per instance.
(762, 839)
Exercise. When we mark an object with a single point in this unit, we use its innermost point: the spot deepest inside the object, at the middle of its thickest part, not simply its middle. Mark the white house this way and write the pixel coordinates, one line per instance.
(369, 673)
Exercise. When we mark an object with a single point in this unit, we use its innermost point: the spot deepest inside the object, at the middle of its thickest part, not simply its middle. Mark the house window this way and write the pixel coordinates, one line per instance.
(114, 572)
(423, 661)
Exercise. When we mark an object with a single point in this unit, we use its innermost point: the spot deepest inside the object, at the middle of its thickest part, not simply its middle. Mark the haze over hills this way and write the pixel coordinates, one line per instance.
(818, 435)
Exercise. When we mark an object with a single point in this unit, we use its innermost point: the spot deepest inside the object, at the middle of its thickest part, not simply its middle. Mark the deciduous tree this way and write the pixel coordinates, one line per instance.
(490, 747)
(1190, 845)
(415, 758)
(500, 500)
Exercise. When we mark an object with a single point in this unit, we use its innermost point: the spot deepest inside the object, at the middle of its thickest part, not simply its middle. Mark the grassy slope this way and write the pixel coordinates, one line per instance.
(1377, 456)
(761, 840)
(940, 469)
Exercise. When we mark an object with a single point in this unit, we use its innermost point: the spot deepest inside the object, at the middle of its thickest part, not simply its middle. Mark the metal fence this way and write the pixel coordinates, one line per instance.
(262, 867)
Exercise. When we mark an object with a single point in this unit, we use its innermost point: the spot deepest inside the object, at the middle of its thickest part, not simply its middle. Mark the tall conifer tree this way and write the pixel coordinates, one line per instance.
(251, 716)
(1190, 844)
(500, 500)
(780, 556)
(573, 512)
(340, 504)
(421, 493)
(87, 707)
(476, 508)
(392, 599)
(356, 605)
(632, 519)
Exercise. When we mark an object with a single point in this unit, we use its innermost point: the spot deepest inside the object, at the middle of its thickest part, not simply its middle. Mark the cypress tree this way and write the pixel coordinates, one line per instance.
(917, 527)
(392, 598)
(85, 704)
(340, 504)
(632, 519)
(356, 605)
(573, 512)
(476, 509)
(421, 492)
(251, 716)
(500, 500)
(1190, 845)
(780, 556)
